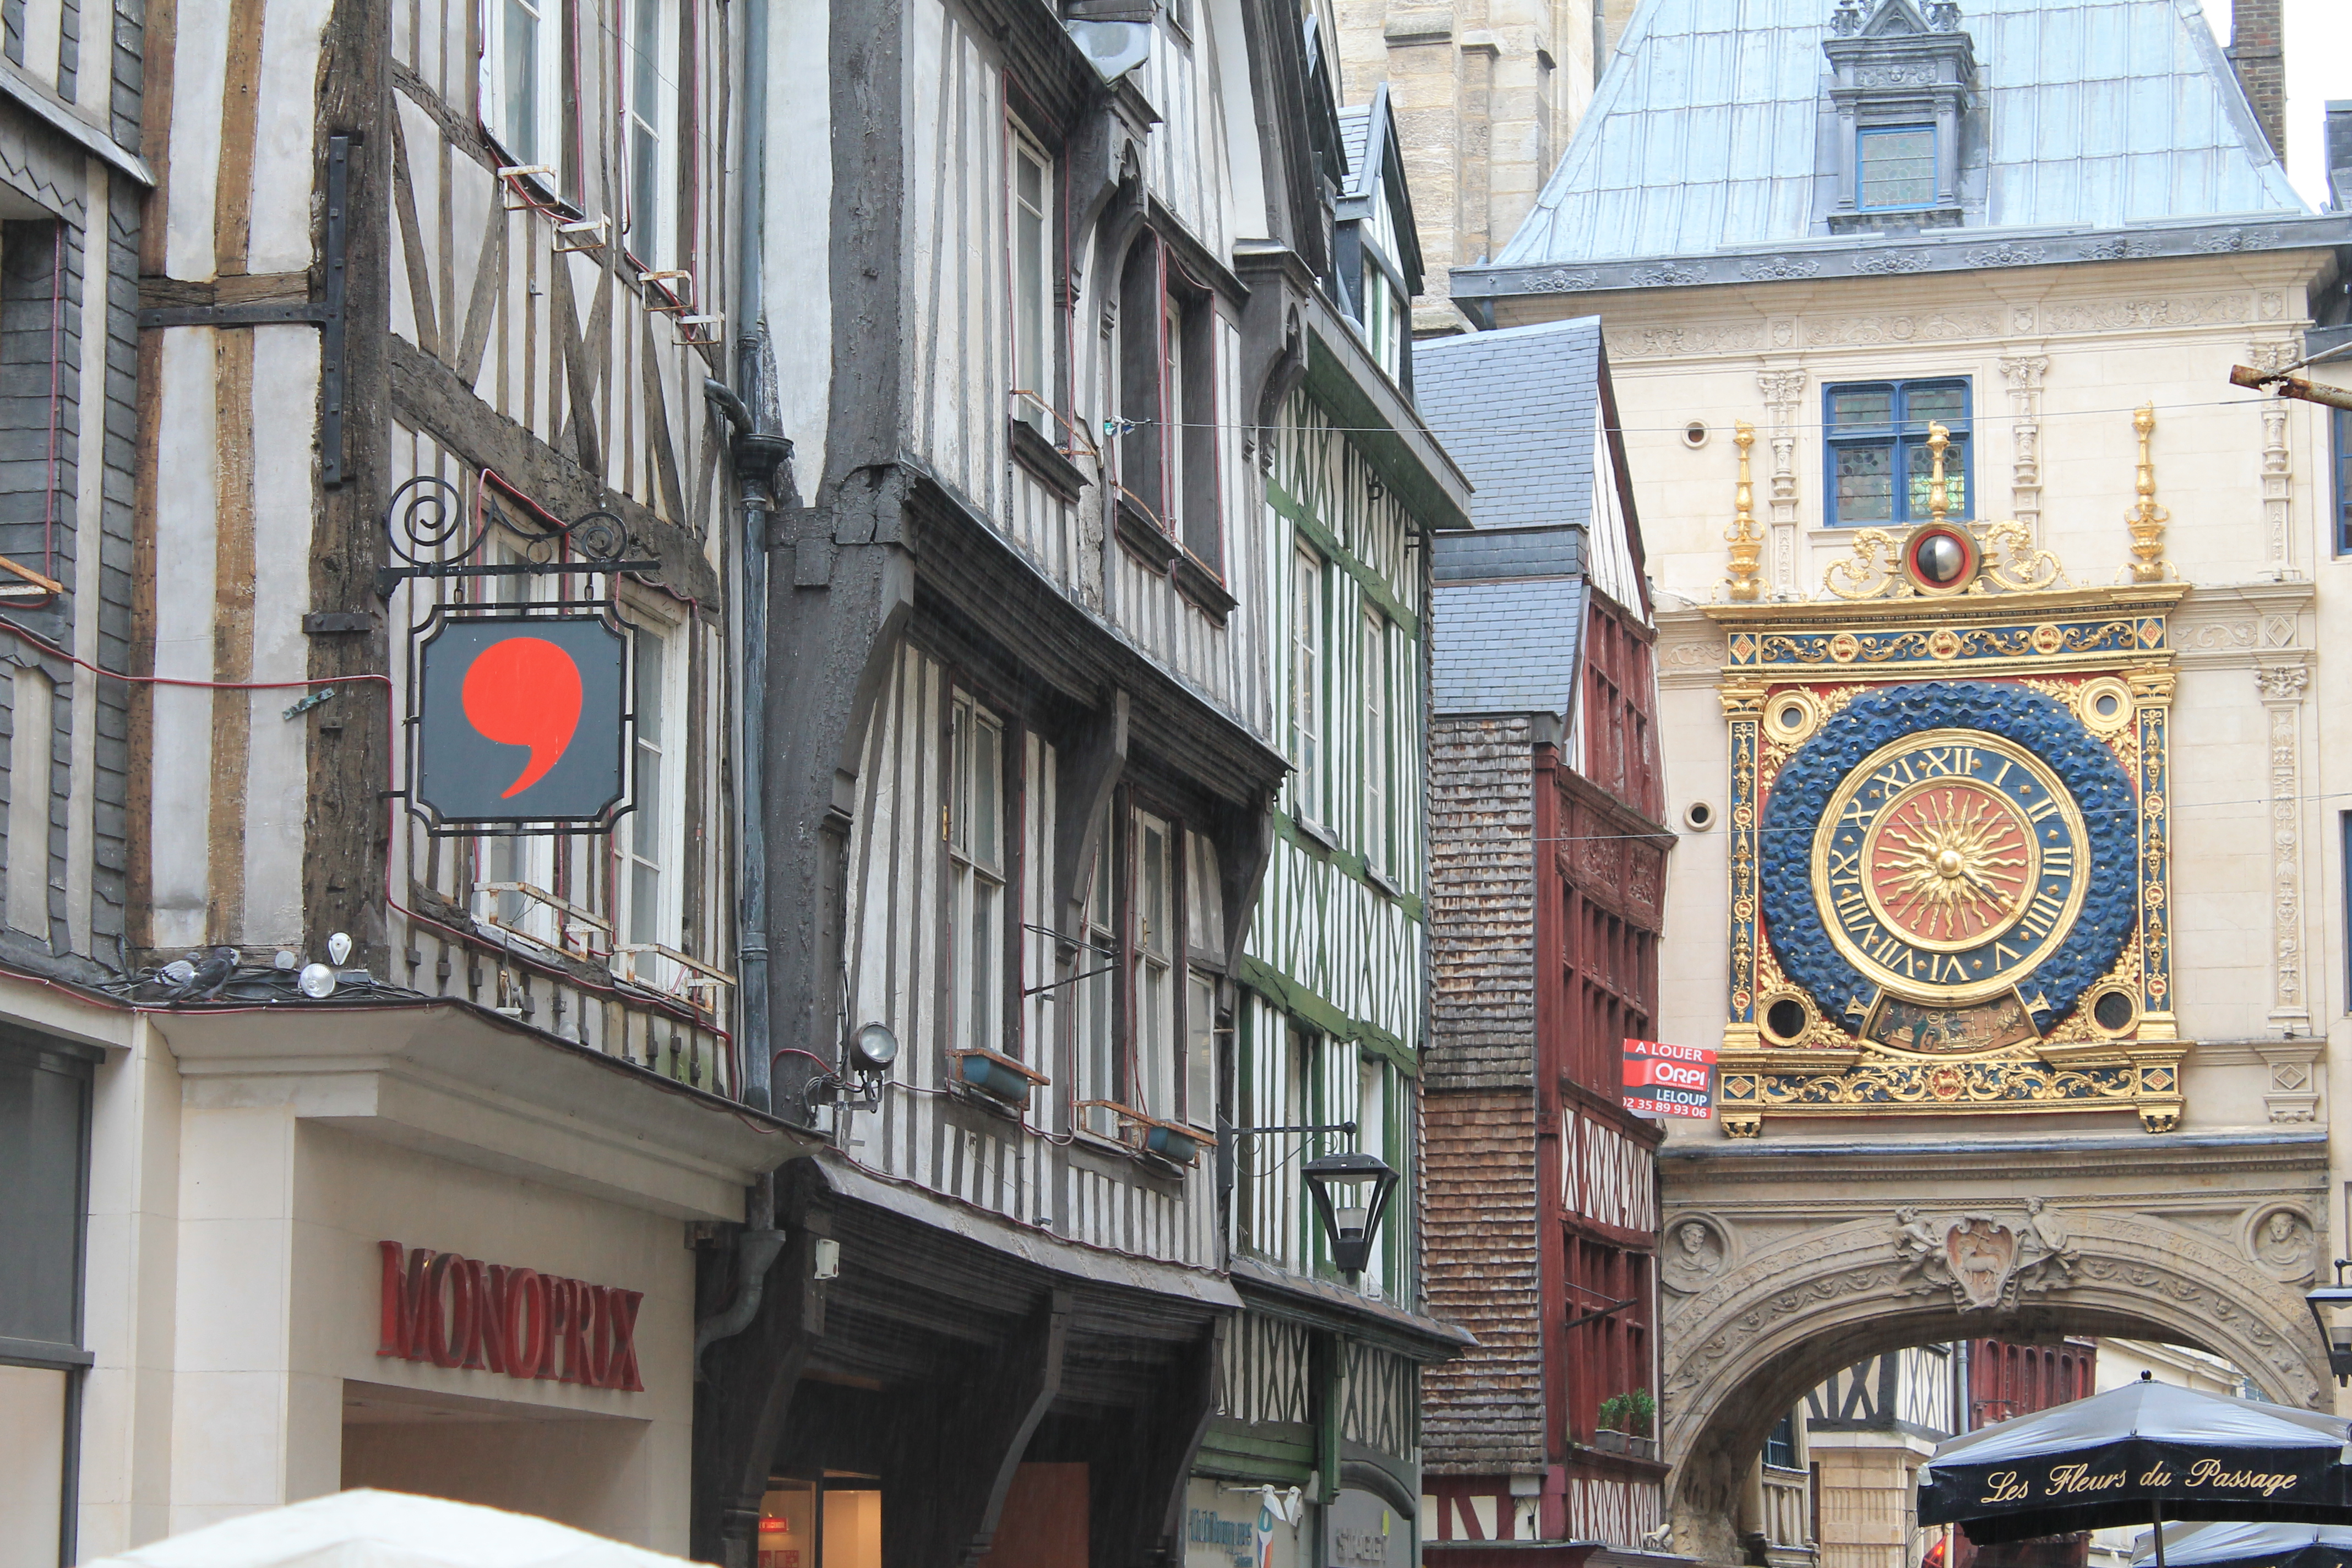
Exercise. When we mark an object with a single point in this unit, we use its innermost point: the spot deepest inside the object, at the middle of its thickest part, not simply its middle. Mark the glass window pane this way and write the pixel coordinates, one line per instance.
(521, 128)
(1899, 167)
(1031, 180)
(1862, 406)
(1155, 887)
(647, 73)
(960, 779)
(1939, 405)
(1955, 480)
(984, 953)
(648, 691)
(1865, 484)
(986, 775)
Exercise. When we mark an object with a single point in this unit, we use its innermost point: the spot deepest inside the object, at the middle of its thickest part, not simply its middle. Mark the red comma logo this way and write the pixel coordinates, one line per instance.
(525, 691)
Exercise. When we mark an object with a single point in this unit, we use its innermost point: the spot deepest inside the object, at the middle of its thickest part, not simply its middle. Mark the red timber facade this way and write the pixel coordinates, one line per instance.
(1547, 861)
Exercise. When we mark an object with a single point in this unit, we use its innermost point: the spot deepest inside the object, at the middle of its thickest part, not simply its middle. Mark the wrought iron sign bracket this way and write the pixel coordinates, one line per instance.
(433, 536)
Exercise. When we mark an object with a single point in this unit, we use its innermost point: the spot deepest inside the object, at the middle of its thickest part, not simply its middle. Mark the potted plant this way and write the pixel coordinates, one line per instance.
(1624, 1426)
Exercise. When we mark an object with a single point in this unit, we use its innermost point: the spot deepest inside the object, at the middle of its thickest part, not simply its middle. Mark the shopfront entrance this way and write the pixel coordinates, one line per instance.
(838, 1521)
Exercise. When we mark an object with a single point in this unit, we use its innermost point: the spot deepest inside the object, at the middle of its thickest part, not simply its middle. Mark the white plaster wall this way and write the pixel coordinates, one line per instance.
(796, 228)
(284, 399)
(187, 460)
(199, 70)
(284, 165)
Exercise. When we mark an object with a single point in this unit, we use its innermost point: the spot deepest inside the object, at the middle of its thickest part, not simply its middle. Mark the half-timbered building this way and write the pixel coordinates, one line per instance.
(400, 1140)
(1547, 864)
(1075, 395)
(1316, 1435)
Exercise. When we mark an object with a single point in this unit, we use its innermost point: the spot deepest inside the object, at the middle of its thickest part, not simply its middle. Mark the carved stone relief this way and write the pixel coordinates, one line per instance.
(2280, 1241)
(1984, 1259)
(1699, 1247)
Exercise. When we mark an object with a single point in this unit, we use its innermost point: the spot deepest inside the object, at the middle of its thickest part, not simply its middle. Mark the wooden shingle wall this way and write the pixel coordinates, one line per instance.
(1481, 904)
(1485, 1409)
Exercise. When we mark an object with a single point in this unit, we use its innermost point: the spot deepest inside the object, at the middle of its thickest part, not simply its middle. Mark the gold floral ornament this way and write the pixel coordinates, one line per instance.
(2146, 518)
(1747, 544)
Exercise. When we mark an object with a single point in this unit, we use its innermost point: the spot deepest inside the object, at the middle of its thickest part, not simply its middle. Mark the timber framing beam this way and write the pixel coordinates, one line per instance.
(740, 1413)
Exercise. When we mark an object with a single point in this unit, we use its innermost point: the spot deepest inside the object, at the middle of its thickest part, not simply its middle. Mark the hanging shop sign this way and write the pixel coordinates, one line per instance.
(1669, 1080)
(521, 718)
(493, 1317)
(517, 707)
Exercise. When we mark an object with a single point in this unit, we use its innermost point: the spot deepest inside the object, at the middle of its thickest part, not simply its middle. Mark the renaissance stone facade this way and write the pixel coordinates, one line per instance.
(1949, 502)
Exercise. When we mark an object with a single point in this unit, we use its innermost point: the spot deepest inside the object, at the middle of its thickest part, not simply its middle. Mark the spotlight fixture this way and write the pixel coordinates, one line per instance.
(318, 982)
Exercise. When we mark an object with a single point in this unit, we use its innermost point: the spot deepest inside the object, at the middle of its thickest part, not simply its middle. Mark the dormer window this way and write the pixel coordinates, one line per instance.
(1903, 86)
(1896, 168)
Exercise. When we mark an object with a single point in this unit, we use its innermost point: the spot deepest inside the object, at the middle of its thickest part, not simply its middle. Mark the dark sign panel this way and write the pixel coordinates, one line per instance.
(522, 718)
(1669, 1080)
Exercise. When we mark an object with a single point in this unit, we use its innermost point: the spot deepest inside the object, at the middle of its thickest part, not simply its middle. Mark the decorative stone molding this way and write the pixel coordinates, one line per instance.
(2280, 686)
(2278, 462)
(2293, 1067)
(2023, 373)
(1783, 391)
(2242, 626)
(1982, 1261)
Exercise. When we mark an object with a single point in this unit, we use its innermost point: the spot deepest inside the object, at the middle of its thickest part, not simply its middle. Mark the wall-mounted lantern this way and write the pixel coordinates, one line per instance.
(2331, 1308)
(1351, 1195)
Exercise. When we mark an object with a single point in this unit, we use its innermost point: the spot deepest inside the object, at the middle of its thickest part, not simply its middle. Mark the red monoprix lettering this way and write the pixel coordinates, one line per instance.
(526, 1322)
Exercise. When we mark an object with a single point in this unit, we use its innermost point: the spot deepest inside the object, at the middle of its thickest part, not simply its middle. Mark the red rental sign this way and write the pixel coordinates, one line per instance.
(456, 1312)
(1669, 1080)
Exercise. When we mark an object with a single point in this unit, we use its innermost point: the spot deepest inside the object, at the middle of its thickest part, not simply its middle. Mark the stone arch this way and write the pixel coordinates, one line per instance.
(1766, 1326)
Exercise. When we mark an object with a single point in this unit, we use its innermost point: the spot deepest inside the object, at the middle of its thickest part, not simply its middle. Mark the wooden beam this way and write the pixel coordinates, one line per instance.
(1137, 1492)
(962, 1462)
(740, 1413)
(2291, 386)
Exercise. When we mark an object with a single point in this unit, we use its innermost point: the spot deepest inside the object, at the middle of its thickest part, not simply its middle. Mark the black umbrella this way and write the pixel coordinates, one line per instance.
(2242, 1545)
(2138, 1455)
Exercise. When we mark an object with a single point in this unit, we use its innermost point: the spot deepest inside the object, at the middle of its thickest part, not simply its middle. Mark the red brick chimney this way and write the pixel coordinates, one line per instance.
(2257, 37)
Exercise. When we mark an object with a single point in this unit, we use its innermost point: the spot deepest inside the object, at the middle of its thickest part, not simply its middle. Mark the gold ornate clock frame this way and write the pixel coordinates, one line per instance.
(1961, 602)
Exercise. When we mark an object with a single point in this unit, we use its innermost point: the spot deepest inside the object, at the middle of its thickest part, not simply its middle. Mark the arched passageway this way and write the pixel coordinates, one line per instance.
(1787, 1264)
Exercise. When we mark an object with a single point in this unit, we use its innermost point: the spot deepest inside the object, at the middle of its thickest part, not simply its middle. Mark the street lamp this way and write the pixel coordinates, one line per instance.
(2331, 1308)
(1352, 1193)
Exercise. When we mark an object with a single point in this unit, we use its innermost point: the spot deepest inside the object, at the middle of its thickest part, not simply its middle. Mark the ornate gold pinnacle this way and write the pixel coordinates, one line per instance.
(2146, 518)
(1747, 544)
(1940, 496)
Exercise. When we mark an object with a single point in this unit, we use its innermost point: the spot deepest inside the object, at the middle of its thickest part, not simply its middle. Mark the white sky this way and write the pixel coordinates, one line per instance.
(2319, 67)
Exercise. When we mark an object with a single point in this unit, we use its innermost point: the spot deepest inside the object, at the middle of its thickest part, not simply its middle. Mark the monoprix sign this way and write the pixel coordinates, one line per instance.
(522, 718)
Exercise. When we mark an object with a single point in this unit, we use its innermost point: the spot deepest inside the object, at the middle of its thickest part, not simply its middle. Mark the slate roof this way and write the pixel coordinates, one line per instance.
(1355, 131)
(1507, 597)
(1703, 136)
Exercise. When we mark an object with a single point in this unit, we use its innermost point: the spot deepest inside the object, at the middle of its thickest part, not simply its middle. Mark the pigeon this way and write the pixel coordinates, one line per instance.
(212, 972)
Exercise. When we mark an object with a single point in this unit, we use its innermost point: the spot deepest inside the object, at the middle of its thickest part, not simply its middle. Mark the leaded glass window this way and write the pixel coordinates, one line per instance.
(1881, 468)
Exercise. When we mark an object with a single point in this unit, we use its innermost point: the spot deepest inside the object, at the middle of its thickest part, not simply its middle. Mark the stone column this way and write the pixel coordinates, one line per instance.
(1783, 391)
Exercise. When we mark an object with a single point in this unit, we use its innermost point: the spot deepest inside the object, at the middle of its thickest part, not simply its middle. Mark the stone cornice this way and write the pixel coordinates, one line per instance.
(1881, 256)
(2111, 1156)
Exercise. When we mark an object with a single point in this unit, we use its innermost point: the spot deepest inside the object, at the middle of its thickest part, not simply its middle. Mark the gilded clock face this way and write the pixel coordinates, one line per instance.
(1947, 845)
(1948, 864)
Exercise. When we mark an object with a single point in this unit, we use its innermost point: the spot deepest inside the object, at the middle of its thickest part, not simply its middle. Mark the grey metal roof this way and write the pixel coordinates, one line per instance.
(2099, 114)
(1549, 377)
(1506, 603)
